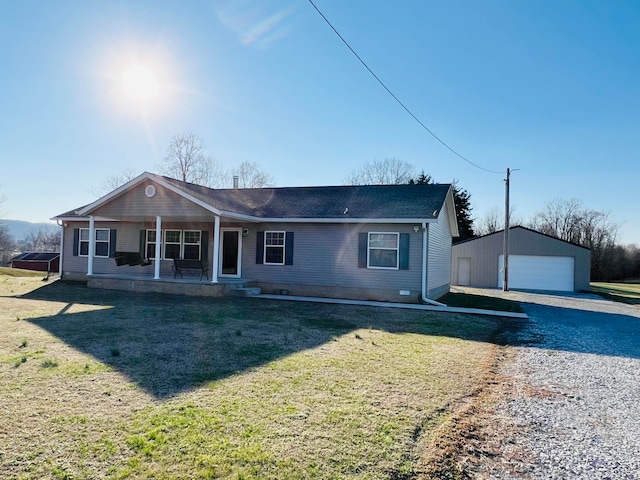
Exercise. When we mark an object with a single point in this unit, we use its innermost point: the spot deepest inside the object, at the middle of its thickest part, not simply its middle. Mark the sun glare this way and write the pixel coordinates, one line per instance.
(140, 83)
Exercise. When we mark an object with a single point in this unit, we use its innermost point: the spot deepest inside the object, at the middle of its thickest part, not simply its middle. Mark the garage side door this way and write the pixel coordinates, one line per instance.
(464, 271)
(538, 272)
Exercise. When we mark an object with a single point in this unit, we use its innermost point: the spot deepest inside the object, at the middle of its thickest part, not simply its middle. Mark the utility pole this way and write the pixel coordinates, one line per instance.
(505, 269)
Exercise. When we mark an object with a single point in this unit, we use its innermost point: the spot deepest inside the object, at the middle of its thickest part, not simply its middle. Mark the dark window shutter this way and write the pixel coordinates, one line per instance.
(204, 242)
(143, 241)
(288, 248)
(403, 261)
(112, 242)
(76, 241)
(363, 239)
(260, 247)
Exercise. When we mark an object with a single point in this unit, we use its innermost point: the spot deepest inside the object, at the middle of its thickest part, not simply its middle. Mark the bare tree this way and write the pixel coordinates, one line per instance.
(390, 171)
(115, 181)
(7, 242)
(250, 175)
(490, 222)
(570, 221)
(561, 219)
(493, 221)
(186, 161)
(45, 239)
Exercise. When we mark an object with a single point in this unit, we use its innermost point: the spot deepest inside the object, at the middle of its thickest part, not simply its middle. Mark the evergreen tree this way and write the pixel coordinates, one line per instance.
(462, 201)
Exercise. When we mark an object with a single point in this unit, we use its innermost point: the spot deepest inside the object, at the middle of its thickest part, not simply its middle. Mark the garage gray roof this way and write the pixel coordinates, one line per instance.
(501, 232)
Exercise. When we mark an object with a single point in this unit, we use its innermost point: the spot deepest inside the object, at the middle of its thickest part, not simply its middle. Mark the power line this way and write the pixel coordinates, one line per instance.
(394, 96)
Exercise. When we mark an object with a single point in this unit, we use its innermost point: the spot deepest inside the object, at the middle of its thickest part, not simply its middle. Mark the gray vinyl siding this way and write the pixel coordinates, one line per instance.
(484, 252)
(127, 240)
(439, 254)
(327, 255)
(165, 203)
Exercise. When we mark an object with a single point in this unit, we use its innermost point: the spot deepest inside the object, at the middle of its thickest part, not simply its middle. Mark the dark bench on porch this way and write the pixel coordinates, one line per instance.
(180, 266)
(130, 258)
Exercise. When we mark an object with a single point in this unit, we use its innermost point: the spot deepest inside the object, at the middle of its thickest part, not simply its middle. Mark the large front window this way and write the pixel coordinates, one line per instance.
(185, 244)
(274, 248)
(383, 250)
(102, 242)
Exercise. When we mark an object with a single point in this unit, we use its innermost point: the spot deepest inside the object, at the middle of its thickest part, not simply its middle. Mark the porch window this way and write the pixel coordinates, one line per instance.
(102, 242)
(185, 244)
(172, 243)
(192, 244)
(274, 248)
(383, 250)
(150, 251)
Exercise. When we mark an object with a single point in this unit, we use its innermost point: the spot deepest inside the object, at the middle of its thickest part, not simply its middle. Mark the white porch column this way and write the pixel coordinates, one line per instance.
(156, 274)
(216, 251)
(92, 244)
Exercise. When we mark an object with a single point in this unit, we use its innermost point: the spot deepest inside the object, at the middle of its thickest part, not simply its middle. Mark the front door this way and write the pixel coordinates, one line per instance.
(231, 251)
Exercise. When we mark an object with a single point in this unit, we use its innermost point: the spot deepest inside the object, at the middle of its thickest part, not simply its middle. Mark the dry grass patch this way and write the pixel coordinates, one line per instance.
(224, 388)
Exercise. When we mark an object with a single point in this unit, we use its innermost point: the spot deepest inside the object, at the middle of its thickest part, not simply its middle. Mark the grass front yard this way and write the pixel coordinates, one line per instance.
(106, 384)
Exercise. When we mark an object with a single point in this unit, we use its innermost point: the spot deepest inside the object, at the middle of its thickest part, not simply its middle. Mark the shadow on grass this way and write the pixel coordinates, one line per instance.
(468, 300)
(167, 344)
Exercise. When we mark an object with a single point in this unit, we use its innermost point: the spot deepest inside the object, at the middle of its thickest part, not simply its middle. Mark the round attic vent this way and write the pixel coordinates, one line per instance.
(150, 191)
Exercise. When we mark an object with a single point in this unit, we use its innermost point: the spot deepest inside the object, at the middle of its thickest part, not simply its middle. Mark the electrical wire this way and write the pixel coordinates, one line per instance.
(395, 97)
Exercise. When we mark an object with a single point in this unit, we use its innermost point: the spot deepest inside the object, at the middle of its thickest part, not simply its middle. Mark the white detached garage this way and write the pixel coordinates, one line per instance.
(536, 262)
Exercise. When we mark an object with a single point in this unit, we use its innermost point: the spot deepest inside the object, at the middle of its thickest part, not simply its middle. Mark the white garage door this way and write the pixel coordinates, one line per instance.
(538, 272)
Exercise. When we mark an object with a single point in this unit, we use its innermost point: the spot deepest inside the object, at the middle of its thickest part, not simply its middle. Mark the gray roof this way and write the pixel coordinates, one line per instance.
(411, 202)
(363, 201)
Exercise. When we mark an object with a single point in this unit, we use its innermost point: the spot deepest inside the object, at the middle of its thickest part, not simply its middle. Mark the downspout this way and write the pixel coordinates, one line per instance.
(61, 224)
(425, 253)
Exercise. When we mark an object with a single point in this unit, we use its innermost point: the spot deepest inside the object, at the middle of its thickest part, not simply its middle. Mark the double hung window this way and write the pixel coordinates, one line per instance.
(192, 240)
(274, 245)
(102, 242)
(383, 250)
(172, 243)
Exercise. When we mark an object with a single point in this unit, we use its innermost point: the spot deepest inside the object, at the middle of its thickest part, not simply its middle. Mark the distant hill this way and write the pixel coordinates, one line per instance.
(19, 229)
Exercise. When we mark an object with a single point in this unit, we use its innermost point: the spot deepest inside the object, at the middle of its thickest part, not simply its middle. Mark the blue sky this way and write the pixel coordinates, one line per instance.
(547, 87)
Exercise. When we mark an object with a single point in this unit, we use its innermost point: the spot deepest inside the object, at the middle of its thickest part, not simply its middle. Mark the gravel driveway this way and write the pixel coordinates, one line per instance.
(572, 410)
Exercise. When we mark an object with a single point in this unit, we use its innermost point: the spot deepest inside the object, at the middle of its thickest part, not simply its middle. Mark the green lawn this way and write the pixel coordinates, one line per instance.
(103, 384)
(627, 292)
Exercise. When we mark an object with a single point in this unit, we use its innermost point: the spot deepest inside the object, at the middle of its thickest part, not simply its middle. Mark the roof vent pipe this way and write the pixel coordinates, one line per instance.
(235, 181)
